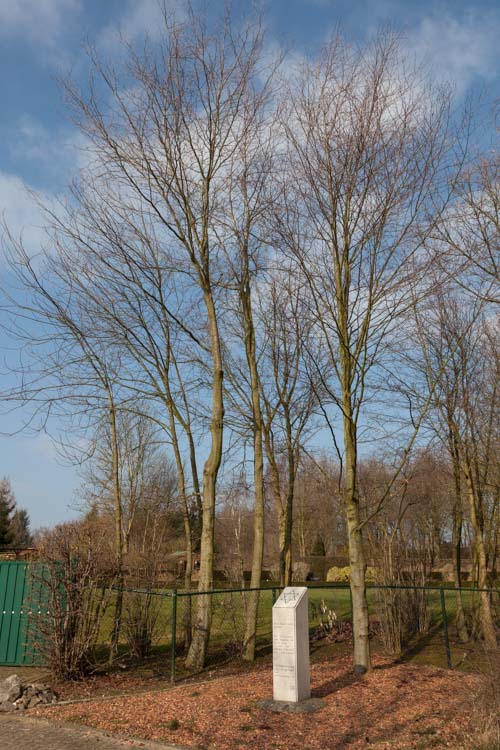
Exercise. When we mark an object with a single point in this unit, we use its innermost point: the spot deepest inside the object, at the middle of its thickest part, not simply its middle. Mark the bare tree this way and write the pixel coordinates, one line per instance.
(125, 277)
(166, 142)
(221, 247)
(369, 154)
(470, 228)
(143, 471)
(404, 540)
(287, 395)
(454, 343)
(69, 369)
(248, 200)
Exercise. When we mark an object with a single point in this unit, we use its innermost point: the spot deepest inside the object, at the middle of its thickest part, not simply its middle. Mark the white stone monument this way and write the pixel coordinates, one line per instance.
(291, 681)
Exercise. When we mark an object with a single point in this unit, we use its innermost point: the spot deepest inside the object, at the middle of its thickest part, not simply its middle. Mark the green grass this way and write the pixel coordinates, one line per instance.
(228, 625)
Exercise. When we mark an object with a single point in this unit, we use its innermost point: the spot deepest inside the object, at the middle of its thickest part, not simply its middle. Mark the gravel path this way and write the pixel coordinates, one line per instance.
(39, 734)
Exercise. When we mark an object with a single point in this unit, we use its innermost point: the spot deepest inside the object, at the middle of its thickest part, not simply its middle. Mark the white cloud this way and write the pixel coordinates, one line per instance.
(459, 50)
(20, 211)
(42, 21)
(139, 17)
(60, 151)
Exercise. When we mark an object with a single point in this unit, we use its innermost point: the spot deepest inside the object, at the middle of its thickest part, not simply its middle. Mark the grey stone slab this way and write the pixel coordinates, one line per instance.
(308, 706)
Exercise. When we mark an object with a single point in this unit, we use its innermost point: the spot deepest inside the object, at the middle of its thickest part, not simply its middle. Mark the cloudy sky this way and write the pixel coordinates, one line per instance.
(41, 40)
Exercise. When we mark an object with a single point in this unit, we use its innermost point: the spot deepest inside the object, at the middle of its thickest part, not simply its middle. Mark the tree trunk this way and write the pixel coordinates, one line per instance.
(258, 478)
(485, 614)
(457, 543)
(285, 533)
(201, 631)
(286, 521)
(117, 619)
(357, 564)
(196, 530)
(188, 535)
(457, 580)
(360, 621)
(188, 574)
(276, 486)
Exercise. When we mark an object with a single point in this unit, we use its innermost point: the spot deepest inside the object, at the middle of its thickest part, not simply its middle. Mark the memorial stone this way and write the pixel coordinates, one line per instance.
(291, 682)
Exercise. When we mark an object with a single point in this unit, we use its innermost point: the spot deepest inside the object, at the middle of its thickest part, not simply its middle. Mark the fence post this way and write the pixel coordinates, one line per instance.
(174, 636)
(445, 628)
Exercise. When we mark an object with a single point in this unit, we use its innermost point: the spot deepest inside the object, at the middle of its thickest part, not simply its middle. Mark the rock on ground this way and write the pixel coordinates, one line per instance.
(15, 695)
(10, 689)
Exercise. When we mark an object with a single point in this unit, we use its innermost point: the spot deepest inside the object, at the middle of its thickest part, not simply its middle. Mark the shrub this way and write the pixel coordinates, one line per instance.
(142, 609)
(342, 575)
(140, 616)
(72, 588)
(402, 614)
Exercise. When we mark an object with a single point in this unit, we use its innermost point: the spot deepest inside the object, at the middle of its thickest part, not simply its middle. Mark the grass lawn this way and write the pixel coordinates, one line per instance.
(228, 626)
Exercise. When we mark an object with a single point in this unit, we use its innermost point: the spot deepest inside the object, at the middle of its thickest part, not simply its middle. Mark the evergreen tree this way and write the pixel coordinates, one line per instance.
(21, 534)
(7, 508)
(319, 547)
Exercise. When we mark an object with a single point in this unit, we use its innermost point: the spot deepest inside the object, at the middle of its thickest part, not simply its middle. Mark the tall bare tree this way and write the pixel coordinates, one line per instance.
(67, 370)
(369, 149)
(248, 201)
(454, 345)
(288, 397)
(166, 141)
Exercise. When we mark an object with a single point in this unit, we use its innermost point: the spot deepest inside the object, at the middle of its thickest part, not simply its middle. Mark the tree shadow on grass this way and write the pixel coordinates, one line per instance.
(433, 638)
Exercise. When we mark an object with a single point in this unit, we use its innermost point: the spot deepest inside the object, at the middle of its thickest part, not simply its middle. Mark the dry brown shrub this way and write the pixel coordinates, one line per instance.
(73, 583)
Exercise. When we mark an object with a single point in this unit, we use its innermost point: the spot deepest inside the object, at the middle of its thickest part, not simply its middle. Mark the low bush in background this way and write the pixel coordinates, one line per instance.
(342, 575)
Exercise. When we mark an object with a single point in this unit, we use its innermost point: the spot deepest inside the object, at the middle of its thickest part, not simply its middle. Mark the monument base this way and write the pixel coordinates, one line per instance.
(307, 706)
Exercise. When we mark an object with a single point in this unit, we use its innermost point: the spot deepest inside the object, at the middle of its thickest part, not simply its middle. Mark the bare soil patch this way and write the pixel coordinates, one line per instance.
(396, 706)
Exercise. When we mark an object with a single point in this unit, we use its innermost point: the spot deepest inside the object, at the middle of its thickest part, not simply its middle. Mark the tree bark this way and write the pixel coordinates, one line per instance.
(485, 613)
(457, 542)
(360, 621)
(201, 630)
(117, 620)
(188, 534)
(258, 473)
(286, 521)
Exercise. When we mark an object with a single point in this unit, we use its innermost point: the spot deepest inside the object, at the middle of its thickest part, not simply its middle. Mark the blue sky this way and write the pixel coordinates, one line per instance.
(42, 39)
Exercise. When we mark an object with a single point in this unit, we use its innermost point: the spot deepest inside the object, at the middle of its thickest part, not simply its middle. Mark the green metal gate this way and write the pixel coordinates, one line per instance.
(19, 608)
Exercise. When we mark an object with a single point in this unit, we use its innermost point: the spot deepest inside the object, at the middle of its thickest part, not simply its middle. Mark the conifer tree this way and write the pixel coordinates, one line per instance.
(20, 527)
(7, 507)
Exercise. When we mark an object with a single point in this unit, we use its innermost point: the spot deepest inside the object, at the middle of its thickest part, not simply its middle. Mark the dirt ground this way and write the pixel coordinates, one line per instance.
(397, 706)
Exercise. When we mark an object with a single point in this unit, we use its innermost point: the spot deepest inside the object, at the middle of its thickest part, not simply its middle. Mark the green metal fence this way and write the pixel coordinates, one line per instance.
(22, 604)
(21, 610)
(13, 620)
(228, 618)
